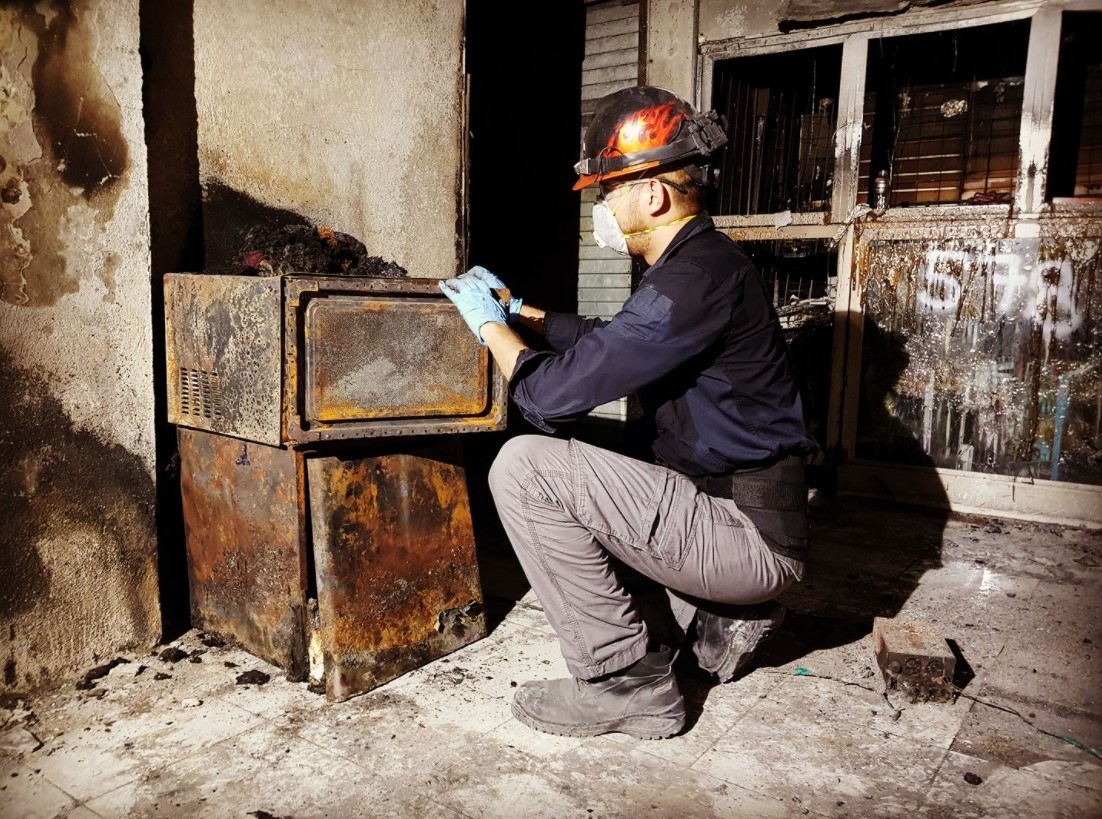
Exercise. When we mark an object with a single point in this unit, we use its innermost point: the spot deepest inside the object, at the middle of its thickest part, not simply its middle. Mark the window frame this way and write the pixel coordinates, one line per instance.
(1031, 213)
(1035, 128)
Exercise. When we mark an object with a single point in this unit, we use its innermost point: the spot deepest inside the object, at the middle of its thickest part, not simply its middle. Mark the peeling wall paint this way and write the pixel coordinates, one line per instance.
(75, 303)
(77, 493)
(998, 354)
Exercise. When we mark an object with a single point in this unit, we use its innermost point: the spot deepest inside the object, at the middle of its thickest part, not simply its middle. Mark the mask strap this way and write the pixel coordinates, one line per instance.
(659, 227)
(633, 183)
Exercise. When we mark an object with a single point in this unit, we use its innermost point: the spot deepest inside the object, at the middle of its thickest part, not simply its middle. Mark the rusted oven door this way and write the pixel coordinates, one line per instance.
(245, 525)
(397, 576)
(389, 357)
(303, 359)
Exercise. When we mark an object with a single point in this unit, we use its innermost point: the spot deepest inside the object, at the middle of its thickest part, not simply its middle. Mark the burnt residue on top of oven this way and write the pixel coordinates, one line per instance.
(275, 251)
(244, 236)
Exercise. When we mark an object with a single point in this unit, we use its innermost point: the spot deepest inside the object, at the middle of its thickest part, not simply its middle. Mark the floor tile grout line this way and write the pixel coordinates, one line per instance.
(881, 731)
(354, 760)
(29, 771)
(177, 760)
(712, 746)
(83, 802)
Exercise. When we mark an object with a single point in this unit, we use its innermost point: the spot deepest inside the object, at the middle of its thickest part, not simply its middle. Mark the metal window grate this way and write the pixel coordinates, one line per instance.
(200, 394)
(794, 270)
(1075, 156)
(1088, 177)
(781, 113)
(942, 115)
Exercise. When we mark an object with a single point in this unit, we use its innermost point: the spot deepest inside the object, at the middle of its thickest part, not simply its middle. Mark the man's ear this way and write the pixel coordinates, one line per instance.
(658, 199)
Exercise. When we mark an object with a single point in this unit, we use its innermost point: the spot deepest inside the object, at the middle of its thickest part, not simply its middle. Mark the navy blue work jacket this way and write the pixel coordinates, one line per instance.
(699, 343)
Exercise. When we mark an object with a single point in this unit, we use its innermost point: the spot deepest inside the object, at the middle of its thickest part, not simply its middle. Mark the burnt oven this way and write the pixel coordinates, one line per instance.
(327, 521)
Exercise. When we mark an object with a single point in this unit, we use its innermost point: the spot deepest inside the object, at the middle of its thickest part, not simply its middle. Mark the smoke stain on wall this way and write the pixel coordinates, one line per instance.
(228, 214)
(51, 470)
(84, 156)
(75, 109)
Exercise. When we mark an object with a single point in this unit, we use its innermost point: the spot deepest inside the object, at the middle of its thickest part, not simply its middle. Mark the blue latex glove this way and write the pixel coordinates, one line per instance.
(484, 275)
(476, 302)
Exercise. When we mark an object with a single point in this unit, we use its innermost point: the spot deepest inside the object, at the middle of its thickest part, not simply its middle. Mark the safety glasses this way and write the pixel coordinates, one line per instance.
(606, 197)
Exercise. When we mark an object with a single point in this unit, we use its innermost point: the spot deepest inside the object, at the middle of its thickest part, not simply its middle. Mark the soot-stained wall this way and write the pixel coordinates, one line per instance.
(77, 488)
(348, 114)
(1001, 355)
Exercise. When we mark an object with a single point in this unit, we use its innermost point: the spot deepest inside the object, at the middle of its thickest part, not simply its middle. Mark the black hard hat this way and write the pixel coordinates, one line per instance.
(645, 127)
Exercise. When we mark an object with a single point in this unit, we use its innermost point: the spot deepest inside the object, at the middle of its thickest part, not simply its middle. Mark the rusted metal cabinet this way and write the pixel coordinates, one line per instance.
(325, 503)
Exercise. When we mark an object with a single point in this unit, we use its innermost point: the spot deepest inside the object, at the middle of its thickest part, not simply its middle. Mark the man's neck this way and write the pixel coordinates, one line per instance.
(660, 239)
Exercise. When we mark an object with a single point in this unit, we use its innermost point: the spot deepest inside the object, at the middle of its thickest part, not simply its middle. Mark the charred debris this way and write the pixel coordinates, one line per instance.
(264, 250)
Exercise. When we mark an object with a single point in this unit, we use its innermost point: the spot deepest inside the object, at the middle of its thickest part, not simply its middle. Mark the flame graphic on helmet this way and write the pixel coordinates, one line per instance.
(644, 129)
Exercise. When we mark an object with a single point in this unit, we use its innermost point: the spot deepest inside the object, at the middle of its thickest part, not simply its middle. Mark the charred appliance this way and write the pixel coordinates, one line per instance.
(325, 504)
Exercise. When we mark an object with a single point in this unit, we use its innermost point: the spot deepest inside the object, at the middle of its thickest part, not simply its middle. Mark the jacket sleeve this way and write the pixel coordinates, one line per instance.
(562, 330)
(652, 335)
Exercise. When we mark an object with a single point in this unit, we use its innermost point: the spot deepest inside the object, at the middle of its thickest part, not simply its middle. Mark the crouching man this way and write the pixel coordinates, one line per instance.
(718, 515)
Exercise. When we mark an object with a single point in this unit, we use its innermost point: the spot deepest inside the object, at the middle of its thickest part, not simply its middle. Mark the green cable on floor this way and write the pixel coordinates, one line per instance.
(1069, 740)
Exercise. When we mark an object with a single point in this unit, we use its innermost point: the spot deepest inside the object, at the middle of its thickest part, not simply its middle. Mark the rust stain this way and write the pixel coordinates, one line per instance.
(442, 376)
(246, 556)
(394, 550)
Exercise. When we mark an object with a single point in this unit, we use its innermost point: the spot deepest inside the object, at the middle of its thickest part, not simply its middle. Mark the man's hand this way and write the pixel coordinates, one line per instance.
(494, 283)
(475, 301)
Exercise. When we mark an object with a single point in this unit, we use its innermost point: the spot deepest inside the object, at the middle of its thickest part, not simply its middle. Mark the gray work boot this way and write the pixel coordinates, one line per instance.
(643, 700)
(726, 645)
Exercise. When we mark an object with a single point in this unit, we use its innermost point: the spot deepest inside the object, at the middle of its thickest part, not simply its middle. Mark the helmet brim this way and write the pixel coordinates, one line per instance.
(587, 179)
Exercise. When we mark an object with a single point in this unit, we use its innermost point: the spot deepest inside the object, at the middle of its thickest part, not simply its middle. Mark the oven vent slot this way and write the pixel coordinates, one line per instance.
(200, 394)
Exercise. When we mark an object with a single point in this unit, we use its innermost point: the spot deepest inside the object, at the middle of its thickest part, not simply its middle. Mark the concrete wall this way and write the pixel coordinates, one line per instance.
(346, 115)
(77, 541)
(678, 29)
(724, 19)
(349, 114)
(670, 46)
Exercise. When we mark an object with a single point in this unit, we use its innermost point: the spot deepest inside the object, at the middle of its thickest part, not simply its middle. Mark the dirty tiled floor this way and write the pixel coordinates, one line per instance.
(810, 731)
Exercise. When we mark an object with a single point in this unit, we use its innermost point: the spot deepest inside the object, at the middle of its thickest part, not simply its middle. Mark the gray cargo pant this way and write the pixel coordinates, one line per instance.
(576, 514)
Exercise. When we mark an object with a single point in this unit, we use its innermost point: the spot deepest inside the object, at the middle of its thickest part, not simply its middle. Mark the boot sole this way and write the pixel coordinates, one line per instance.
(640, 727)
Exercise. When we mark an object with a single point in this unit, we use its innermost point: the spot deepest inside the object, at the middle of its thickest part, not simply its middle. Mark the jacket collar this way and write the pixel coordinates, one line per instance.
(695, 226)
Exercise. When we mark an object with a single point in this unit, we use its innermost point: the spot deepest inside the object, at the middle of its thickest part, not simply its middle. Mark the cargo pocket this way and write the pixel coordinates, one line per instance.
(633, 501)
(677, 519)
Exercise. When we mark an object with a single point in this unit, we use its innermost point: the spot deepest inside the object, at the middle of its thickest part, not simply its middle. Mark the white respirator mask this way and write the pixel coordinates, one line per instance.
(606, 230)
